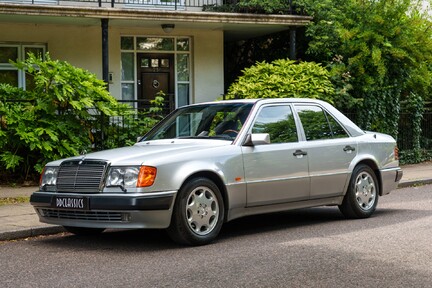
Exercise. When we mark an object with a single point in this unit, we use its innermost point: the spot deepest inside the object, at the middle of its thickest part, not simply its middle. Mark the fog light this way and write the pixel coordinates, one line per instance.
(126, 217)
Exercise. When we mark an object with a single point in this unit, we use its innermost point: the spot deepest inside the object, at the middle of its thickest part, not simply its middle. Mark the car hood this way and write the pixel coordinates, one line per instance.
(144, 151)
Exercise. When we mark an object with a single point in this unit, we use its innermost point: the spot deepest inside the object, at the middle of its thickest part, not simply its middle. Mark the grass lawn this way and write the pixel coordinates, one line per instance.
(14, 200)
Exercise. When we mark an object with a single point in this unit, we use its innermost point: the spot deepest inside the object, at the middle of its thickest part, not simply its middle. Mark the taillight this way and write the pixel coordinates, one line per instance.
(396, 153)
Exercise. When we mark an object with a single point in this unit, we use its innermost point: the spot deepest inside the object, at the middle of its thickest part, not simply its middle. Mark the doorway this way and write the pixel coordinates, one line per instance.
(155, 73)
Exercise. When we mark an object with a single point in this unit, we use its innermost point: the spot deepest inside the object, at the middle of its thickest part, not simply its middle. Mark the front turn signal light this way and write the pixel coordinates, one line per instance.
(146, 176)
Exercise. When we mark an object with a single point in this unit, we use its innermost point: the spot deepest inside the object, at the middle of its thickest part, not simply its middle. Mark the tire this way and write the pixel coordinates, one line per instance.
(82, 231)
(198, 213)
(361, 198)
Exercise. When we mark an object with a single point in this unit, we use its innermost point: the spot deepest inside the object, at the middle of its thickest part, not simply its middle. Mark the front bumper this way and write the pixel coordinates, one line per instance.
(390, 179)
(136, 210)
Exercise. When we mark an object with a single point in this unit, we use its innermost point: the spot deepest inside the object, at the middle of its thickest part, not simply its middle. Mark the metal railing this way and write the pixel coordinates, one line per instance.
(127, 127)
(119, 129)
(161, 4)
(405, 136)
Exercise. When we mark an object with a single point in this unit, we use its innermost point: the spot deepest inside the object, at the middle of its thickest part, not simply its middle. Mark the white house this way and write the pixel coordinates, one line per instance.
(138, 46)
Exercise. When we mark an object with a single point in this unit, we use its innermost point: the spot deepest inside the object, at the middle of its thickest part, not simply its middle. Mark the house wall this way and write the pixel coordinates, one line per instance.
(209, 71)
(82, 47)
(76, 45)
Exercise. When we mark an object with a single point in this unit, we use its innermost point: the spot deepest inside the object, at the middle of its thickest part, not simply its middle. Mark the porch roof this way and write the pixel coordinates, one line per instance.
(235, 25)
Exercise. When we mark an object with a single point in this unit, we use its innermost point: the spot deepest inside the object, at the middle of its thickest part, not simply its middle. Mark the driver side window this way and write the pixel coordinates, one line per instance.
(278, 122)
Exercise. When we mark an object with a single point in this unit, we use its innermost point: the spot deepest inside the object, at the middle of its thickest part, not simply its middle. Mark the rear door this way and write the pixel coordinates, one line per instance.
(330, 151)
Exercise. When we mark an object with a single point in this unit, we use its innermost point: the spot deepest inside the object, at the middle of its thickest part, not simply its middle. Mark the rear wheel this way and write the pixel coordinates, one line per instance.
(82, 231)
(198, 213)
(361, 198)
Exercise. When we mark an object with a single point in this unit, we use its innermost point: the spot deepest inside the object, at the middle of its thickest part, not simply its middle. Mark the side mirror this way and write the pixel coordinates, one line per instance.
(257, 139)
(139, 138)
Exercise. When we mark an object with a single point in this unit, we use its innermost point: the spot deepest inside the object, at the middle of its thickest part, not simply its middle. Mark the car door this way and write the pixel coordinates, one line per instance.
(330, 151)
(276, 172)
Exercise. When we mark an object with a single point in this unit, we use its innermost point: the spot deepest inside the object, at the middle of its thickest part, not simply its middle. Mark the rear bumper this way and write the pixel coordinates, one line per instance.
(107, 211)
(390, 179)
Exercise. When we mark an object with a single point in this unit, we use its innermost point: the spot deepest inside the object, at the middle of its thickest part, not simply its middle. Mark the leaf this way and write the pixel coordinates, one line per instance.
(10, 160)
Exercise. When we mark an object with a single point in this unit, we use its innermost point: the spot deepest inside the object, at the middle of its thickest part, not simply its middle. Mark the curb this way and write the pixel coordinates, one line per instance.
(30, 232)
(415, 183)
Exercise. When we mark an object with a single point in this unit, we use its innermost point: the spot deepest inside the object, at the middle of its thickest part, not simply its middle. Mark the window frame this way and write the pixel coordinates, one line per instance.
(327, 114)
(21, 57)
(176, 51)
(294, 116)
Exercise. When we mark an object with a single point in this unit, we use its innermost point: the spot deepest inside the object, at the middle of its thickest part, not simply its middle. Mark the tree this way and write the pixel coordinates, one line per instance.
(383, 45)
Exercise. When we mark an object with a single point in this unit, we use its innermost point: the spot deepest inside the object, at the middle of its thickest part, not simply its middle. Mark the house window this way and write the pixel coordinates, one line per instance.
(180, 47)
(9, 74)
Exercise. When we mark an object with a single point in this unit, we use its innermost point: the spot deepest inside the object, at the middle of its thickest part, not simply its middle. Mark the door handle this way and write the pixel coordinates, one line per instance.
(348, 149)
(300, 153)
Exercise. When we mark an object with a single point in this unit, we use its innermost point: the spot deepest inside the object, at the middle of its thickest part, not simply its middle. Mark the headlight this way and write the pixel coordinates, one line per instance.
(131, 177)
(48, 179)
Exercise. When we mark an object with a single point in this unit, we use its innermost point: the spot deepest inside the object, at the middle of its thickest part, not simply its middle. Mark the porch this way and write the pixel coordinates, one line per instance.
(132, 4)
(126, 43)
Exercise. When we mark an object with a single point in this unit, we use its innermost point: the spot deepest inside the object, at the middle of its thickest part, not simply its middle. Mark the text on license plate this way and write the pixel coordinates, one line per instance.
(80, 203)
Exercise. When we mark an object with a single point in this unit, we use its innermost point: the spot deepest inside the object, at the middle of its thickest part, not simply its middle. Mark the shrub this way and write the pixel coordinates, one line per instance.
(283, 78)
(251, 6)
(52, 120)
(133, 125)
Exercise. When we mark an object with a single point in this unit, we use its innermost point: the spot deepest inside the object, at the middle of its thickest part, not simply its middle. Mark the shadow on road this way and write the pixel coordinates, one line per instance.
(289, 226)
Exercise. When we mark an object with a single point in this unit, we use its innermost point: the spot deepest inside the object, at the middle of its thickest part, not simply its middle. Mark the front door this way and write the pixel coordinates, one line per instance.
(155, 74)
(277, 172)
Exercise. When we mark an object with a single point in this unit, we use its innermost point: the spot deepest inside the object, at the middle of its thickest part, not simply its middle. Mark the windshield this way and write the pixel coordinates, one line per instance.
(216, 121)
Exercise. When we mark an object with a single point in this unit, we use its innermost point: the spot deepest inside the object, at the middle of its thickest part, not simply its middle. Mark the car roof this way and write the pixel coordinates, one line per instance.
(263, 101)
(351, 126)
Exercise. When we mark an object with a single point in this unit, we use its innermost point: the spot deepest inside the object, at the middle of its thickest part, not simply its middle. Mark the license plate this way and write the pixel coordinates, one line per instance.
(75, 203)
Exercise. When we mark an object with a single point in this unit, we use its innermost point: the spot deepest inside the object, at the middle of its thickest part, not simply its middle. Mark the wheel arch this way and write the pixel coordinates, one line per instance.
(373, 165)
(213, 176)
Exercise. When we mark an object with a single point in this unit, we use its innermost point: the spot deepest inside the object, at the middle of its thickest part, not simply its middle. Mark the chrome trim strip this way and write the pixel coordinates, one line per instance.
(275, 180)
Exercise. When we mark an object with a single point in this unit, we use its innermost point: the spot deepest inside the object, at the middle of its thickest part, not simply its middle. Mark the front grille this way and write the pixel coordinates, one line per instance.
(82, 215)
(81, 176)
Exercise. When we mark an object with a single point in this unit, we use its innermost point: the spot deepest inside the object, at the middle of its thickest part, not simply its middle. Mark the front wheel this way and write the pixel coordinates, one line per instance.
(361, 198)
(198, 213)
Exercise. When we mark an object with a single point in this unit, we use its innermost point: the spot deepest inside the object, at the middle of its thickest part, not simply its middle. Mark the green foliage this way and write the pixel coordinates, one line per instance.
(415, 107)
(283, 131)
(53, 120)
(251, 6)
(341, 79)
(14, 200)
(283, 78)
(413, 156)
(134, 125)
(265, 6)
(385, 46)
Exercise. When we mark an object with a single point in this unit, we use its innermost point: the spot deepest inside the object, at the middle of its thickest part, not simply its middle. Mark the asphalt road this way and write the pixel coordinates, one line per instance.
(304, 248)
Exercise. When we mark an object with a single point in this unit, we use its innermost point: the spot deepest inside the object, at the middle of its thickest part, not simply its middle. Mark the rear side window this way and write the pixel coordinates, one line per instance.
(318, 124)
(278, 122)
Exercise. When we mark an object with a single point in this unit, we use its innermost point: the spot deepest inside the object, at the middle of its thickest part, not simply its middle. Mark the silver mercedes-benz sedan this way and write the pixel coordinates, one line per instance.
(206, 164)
